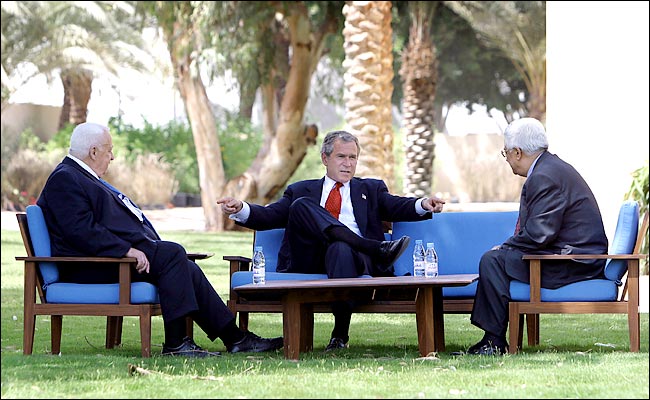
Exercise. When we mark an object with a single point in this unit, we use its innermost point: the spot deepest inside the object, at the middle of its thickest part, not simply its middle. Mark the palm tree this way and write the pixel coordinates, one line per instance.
(76, 40)
(518, 29)
(368, 84)
(419, 73)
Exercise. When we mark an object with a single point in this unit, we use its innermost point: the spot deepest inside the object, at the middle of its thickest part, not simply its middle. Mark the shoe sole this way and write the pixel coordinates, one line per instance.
(190, 354)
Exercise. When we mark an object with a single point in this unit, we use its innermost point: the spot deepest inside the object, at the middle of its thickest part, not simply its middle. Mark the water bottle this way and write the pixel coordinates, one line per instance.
(259, 266)
(430, 262)
(418, 259)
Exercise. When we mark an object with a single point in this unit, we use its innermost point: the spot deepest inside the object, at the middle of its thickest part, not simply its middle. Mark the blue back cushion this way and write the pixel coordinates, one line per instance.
(41, 242)
(270, 240)
(460, 238)
(624, 240)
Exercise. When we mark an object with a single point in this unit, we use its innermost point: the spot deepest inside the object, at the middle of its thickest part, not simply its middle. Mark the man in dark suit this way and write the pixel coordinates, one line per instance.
(344, 242)
(558, 214)
(87, 217)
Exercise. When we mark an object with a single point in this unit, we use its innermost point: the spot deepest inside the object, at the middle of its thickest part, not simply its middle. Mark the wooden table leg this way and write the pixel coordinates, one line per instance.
(306, 327)
(438, 319)
(424, 319)
(297, 326)
(430, 320)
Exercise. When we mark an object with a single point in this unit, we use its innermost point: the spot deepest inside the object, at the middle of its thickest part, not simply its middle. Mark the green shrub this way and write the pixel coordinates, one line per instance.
(240, 141)
(173, 142)
(25, 176)
(145, 177)
(639, 192)
(639, 187)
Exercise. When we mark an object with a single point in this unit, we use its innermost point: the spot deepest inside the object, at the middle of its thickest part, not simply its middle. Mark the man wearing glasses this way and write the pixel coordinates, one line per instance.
(558, 214)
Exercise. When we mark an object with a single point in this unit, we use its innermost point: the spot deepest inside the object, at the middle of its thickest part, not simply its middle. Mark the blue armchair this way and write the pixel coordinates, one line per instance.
(57, 298)
(589, 296)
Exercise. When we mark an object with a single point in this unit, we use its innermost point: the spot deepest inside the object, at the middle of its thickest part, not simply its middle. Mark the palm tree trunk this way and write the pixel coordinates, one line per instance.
(368, 85)
(419, 75)
(77, 87)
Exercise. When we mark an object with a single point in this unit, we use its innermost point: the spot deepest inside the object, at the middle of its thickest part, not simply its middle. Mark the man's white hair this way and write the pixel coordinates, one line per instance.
(84, 136)
(526, 133)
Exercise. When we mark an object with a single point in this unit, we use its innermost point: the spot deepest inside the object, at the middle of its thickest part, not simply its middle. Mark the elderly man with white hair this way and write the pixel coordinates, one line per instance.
(558, 214)
(86, 216)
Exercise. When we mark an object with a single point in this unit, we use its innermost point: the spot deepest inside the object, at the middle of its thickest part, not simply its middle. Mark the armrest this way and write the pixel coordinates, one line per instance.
(238, 263)
(78, 259)
(536, 266)
(199, 256)
(584, 256)
(125, 264)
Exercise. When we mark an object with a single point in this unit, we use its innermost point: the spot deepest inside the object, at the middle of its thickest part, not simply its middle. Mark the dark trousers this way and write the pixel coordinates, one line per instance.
(498, 267)
(311, 251)
(182, 286)
(490, 310)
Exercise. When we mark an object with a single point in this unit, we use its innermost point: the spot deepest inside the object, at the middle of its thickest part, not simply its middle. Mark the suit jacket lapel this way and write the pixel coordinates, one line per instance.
(359, 198)
(523, 201)
(315, 190)
(68, 161)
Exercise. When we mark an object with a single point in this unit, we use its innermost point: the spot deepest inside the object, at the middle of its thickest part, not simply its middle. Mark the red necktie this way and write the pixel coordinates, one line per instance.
(333, 203)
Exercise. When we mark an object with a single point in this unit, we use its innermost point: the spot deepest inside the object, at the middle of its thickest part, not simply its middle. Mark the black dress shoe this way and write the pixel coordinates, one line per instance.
(391, 250)
(475, 348)
(255, 344)
(488, 348)
(335, 344)
(188, 349)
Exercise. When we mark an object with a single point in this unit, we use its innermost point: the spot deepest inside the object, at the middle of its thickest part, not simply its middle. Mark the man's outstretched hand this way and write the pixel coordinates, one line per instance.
(433, 204)
(230, 205)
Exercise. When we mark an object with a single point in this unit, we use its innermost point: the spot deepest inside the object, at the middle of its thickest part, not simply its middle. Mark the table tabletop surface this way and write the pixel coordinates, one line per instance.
(377, 282)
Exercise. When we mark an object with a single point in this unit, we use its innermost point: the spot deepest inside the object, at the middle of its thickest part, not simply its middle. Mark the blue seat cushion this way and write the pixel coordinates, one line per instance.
(589, 290)
(460, 292)
(624, 240)
(109, 293)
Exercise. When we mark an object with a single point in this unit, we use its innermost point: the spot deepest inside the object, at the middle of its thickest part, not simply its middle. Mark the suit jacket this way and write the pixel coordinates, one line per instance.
(86, 218)
(558, 214)
(371, 202)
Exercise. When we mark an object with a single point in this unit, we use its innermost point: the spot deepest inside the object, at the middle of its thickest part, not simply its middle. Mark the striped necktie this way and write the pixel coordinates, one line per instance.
(127, 202)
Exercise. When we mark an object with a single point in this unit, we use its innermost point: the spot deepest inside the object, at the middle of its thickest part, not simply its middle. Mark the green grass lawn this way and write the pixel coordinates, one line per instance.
(580, 356)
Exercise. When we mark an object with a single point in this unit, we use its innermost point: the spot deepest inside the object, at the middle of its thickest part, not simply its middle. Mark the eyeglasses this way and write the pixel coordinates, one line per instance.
(505, 152)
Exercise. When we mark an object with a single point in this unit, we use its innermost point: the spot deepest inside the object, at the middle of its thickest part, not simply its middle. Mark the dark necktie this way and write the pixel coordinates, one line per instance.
(131, 205)
(522, 200)
(333, 203)
(148, 228)
(517, 226)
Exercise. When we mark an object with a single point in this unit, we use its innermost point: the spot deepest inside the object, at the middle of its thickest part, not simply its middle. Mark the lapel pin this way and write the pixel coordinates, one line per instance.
(363, 196)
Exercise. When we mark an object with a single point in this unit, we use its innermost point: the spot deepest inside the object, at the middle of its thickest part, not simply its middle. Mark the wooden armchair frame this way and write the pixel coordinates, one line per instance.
(533, 308)
(114, 313)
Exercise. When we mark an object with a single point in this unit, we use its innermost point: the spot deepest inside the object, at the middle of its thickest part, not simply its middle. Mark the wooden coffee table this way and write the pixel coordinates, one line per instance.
(298, 298)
